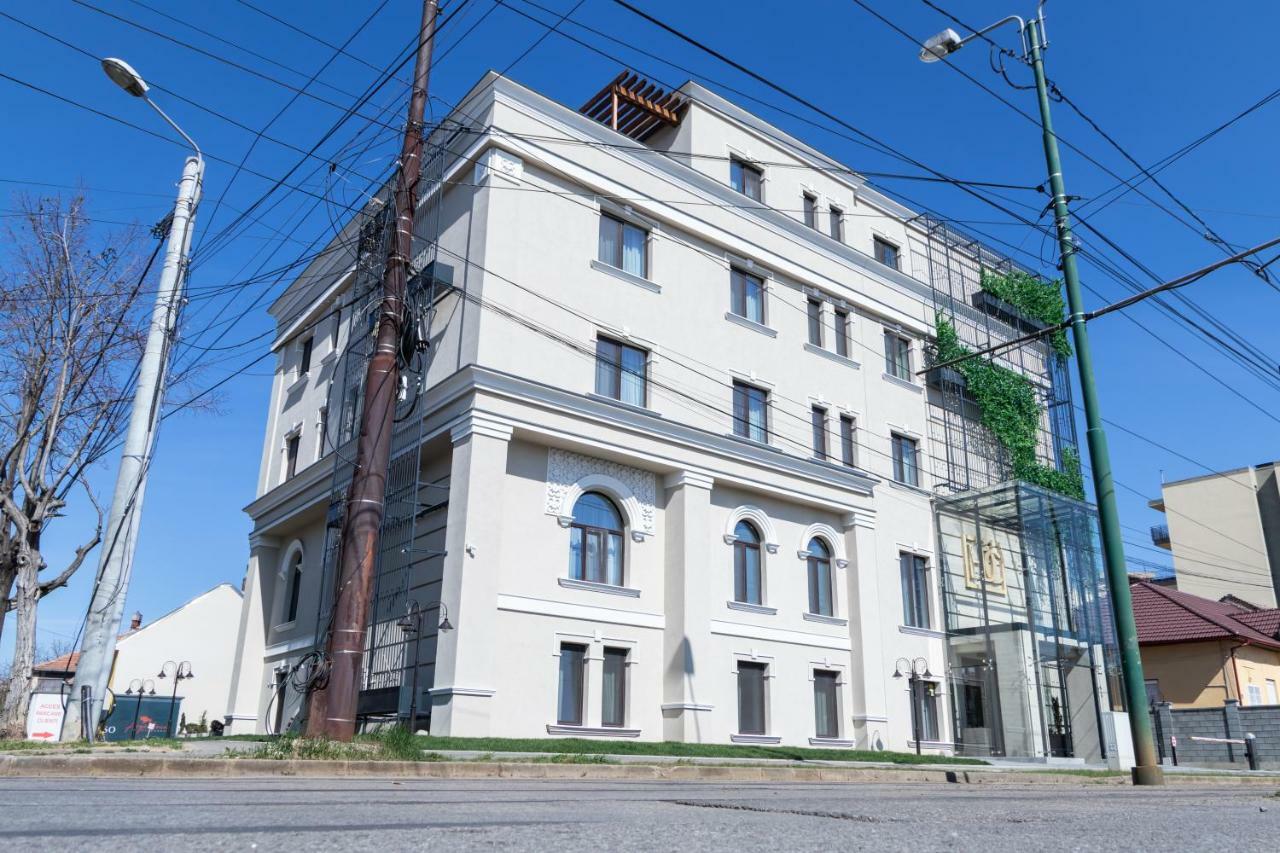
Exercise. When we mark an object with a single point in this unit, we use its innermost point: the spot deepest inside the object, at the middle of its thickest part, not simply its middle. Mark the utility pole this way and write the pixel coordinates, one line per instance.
(97, 652)
(332, 701)
(1147, 770)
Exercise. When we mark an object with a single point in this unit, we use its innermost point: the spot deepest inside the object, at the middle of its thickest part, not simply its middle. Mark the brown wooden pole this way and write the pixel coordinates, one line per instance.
(332, 704)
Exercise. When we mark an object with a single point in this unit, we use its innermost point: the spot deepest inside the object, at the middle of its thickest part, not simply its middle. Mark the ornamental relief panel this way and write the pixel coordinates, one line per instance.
(566, 469)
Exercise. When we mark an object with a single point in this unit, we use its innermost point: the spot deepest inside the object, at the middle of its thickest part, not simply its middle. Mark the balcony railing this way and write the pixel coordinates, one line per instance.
(1160, 535)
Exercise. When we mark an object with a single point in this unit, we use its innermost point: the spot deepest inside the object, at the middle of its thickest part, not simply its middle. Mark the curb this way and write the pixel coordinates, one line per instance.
(168, 767)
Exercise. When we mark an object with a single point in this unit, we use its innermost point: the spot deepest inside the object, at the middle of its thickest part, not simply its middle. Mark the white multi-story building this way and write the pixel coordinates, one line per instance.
(665, 457)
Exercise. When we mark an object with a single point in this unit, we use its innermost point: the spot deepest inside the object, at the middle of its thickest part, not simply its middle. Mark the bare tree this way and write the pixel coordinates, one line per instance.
(71, 331)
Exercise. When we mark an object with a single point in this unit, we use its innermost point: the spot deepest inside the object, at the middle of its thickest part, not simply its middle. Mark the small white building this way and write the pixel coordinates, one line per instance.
(667, 459)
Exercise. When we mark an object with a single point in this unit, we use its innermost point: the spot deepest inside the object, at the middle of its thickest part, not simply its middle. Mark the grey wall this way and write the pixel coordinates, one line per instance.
(1230, 721)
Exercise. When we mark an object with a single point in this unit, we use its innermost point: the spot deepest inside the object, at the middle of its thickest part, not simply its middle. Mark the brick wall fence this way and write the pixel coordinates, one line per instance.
(1232, 720)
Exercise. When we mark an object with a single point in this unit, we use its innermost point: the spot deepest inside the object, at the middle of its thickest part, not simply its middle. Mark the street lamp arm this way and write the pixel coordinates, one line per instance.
(1022, 25)
(174, 125)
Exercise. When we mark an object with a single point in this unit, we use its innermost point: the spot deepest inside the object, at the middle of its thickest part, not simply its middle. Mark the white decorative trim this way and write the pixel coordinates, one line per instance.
(570, 474)
(831, 742)
(477, 423)
(495, 161)
(288, 646)
(869, 718)
(834, 356)
(904, 383)
(759, 739)
(827, 533)
(593, 586)
(582, 612)
(780, 635)
(482, 692)
(591, 731)
(825, 620)
(629, 278)
(750, 324)
(746, 607)
(864, 518)
(687, 706)
(693, 479)
(262, 540)
(922, 632)
(758, 517)
(629, 406)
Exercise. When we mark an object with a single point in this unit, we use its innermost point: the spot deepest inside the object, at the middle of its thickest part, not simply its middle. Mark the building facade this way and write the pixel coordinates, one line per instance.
(1224, 532)
(666, 454)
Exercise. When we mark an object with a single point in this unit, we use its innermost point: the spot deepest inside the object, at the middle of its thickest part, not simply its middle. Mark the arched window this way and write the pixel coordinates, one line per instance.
(293, 577)
(819, 578)
(595, 540)
(746, 564)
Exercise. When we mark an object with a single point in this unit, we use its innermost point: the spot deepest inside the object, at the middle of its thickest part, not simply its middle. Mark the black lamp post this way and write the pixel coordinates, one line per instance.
(917, 669)
(137, 688)
(181, 672)
(411, 624)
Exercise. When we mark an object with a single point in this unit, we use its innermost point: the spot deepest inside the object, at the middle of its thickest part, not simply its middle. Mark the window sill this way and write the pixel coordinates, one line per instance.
(907, 487)
(831, 742)
(298, 382)
(836, 357)
(746, 607)
(283, 626)
(905, 383)
(763, 740)
(591, 731)
(750, 324)
(825, 620)
(630, 407)
(593, 586)
(922, 632)
(629, 278)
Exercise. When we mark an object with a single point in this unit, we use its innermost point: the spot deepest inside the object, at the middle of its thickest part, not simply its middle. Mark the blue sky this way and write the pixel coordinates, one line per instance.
(1154, 77)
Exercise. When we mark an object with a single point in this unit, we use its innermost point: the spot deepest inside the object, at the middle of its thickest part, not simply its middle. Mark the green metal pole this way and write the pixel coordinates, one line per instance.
(1147, 771)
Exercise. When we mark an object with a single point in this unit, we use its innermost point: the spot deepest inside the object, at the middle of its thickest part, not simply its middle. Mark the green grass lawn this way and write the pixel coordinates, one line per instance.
(579, 746)
(25, 745)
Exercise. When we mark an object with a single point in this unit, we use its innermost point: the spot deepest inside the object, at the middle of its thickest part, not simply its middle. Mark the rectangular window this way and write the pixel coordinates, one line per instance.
(1273, 697)
(622, 245)
(751, 698)
(826, 703)
(569, 703)
(925, 699)
(837, 224)
(291, 444)
(815, 321)
(818, 415)
(811, 210)
(750, 412)
(848, 440)
(915, 590)
(322, 431)
(886, 253)
(842, 332)
(897, 356)
(1255, 694)
(621, 372)
(906, 468)
(745, 178)
(304, 360)
(613, 710)
(746, 295)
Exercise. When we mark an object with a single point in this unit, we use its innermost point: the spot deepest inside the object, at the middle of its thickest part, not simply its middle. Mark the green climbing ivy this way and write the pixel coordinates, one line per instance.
(1010, 410)
(1039, 300)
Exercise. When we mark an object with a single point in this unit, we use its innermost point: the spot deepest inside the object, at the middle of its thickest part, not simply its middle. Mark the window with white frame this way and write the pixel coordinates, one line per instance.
(751, 697)
(886, 252)
(595, 540)
(750, 412)
(746, 295)
(826, 703)
(623, 245)
(906, 462)
(621, 372)
(819, 572)
(897, 356)
(746, 178)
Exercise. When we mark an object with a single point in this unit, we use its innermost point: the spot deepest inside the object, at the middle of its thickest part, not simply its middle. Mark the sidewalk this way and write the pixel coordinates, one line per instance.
(207, 759)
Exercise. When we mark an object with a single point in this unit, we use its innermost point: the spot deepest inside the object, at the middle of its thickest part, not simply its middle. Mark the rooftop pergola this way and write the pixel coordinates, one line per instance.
(635, 107)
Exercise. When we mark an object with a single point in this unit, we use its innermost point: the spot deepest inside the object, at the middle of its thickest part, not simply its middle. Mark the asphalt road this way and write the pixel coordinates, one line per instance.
(321, 814)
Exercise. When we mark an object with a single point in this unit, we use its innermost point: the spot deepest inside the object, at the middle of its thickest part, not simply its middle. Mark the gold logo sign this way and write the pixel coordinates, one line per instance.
(989, 574)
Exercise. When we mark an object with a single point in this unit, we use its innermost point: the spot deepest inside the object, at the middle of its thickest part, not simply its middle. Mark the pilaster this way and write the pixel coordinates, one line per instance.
(247, 684)
(687, 665)
(868, 700)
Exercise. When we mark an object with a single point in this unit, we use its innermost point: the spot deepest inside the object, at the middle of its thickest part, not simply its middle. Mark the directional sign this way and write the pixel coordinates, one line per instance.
(44, 716)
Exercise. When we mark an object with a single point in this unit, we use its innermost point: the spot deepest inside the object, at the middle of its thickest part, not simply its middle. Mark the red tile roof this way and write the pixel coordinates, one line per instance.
(64, 665)
(1166, 615)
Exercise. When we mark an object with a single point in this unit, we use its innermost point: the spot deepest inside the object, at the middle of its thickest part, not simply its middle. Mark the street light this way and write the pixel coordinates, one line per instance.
(917, 669)
(411, 624)
(138, 687)
(120, 534)
(1033, 41)
(181, 672)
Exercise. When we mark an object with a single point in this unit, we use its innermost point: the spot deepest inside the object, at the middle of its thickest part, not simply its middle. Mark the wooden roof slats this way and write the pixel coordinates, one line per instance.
(633, 106)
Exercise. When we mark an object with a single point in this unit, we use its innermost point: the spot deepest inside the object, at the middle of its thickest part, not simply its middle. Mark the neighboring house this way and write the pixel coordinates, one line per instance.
(1197, 652)
(669, 458)
(1224, 532)
(203, 631)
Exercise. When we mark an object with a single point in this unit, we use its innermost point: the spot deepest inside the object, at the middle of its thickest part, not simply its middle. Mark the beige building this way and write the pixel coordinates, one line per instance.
(1224, 532)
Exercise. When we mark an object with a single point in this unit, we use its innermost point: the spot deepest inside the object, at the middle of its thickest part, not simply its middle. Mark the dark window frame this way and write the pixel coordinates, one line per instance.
(614, 655)
(813, 312)
(739, 280)
(887, 252)
(914, 576)
(821, 434)
(742, 552)
(849, 441)
(741, 175)
(753, 676)
(819, 564)
(924, 699)
(840, 329)
(578, 687)
(585, 533)
(621, 226)
(906, 471)
(292, 448)
(809, 202)
(897, 355)
(825, 680)
(837, 223)
(304, 357)
(294, 590)
(744, 394)
(616, 369)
